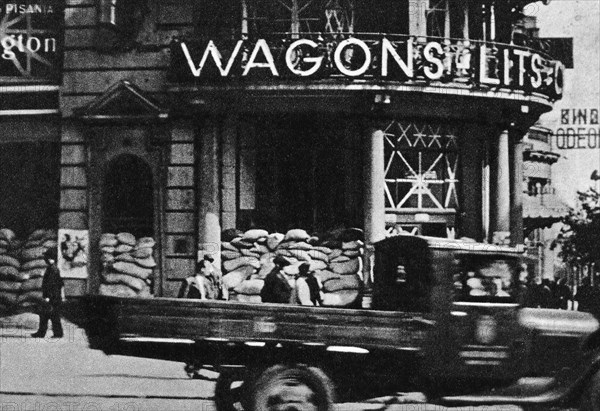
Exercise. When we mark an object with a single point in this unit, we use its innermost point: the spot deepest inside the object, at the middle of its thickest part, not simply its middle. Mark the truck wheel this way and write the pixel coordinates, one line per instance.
(590, 400)
(229, 392)
(292, 388)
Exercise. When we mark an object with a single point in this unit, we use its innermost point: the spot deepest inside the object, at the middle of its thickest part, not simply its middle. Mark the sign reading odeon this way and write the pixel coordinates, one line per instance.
(510, 67)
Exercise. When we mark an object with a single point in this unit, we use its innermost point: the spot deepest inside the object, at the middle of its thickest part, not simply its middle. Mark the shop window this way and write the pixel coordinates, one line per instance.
(128, 199)
(438, 19)
(421, 166)
(29, 186)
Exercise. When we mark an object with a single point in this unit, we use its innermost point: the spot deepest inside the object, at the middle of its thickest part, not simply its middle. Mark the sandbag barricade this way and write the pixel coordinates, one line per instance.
(22, 267)
(128, 265)
(335, 257)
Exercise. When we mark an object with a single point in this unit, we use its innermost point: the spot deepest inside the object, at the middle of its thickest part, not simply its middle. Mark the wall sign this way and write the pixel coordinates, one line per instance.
(31, 40)
(579, 129)
(401, 58)
(73, 252)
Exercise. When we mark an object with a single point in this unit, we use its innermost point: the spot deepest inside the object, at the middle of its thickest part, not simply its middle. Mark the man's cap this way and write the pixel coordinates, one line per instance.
(281, 261)
(50, 254)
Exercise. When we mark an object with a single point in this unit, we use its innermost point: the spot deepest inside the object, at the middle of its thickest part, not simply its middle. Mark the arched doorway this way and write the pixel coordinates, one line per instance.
(127, 199)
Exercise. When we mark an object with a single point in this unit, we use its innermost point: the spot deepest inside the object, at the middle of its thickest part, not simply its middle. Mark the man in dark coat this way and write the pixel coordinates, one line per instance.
(276, 288)
(52, 292)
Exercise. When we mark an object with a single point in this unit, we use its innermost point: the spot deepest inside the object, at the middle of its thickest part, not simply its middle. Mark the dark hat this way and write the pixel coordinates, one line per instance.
(281, 261)
(208, 258)
(50, 254)
(304, 269)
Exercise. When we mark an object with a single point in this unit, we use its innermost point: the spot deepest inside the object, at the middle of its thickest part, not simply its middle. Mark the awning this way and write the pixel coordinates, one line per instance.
(543, 210)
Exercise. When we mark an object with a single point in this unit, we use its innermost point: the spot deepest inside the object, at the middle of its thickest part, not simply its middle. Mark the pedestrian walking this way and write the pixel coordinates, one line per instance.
(562, 294)
(277, 289)
(53, 295)
(308, 287)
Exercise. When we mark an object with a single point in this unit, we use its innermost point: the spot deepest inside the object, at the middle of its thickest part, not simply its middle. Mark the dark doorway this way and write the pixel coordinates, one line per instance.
(128, 200)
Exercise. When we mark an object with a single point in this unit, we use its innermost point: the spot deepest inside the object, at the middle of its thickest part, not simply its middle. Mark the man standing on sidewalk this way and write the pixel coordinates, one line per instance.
(52, 292)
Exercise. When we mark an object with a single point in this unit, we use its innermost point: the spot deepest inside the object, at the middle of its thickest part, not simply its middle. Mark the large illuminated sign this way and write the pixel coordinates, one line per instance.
(501, 66)
(31, 40)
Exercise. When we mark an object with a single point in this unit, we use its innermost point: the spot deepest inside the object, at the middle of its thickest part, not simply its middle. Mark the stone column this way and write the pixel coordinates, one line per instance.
(500, 188)
(228, 174)
(209, 210)
(516, 188)
(374, 200)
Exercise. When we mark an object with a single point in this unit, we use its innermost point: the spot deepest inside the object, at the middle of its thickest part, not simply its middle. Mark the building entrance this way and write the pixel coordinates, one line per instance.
(128, 201)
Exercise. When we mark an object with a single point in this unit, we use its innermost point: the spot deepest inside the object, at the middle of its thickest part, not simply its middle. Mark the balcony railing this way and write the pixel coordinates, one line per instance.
(366, 56)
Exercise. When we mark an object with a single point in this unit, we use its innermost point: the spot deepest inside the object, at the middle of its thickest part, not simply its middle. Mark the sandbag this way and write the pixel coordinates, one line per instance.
(228, 246)
(10, 286)
(123, 248)
(39, 263)
(234, 278)
(333, 244)
(339, 259)
(352, 245)
(345, 282)
(33, 253)
(132, 269)
(230, 255)
(231, 233)
(254, 234)
(125, 257)
(243, 298)
(32, 296)
(116, 290)
(346, 267)
(283, 253)
(10, 261)
(142, 252)
(318, 255)
(45, 234)
(296, 234)
(8, 298)
(302, 245)
(132, 282)
(260, 249)
(7, 234)
(342, 298)
(231, 265)
(300, 254)
(107, 258)
(326, 275)
(127, 238)
(107, 250)
(317, 265)
(33, 272)
(145, 242)
(250, 287)
(108, 240)
(10, 273)
(49, 244)
(32, 284)
(265, 269)
(249, 253)
(239, 243)
(267, 257)
(335, 253)
(147, 262)
(352, 253)
(273, 240)
(292, 269)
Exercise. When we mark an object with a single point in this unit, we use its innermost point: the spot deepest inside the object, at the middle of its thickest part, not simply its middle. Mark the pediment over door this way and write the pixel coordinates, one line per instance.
(123, 102)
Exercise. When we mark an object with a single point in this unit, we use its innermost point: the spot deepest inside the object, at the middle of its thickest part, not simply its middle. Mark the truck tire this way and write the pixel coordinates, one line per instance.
(292, 388)
(590, 400)
(230, 391)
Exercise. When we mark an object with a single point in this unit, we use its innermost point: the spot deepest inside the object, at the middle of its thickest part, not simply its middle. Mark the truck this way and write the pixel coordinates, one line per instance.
(446, 318)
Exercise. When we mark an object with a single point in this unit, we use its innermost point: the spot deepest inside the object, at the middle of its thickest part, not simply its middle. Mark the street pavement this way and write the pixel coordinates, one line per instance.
(45, 374)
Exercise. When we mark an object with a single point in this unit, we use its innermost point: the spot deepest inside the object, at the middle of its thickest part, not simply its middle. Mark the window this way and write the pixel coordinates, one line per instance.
(421, 166)
(438, 19)
(484, 278)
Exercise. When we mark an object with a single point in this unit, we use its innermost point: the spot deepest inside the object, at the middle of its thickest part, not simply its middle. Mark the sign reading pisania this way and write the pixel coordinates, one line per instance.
(31, 39)
(502, 66)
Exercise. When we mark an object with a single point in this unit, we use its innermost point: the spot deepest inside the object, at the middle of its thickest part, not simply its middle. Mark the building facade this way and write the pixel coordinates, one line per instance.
(182, 119)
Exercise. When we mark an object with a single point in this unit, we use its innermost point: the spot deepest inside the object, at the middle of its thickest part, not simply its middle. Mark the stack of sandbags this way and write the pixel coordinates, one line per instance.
(128, 264)
(337, 261)
(33, 265)
(10, 284)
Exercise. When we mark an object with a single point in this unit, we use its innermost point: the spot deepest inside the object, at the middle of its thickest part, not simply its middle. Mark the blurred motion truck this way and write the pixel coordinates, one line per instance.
(445, 319)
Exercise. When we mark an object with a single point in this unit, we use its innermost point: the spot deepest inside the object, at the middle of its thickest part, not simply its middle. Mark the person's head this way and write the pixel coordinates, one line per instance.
(205, 266)
(50, 256)
(304, 270)
(281, 261)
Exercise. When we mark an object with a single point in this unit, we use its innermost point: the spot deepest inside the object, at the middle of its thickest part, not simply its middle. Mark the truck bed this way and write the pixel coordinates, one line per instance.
(116, 320)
